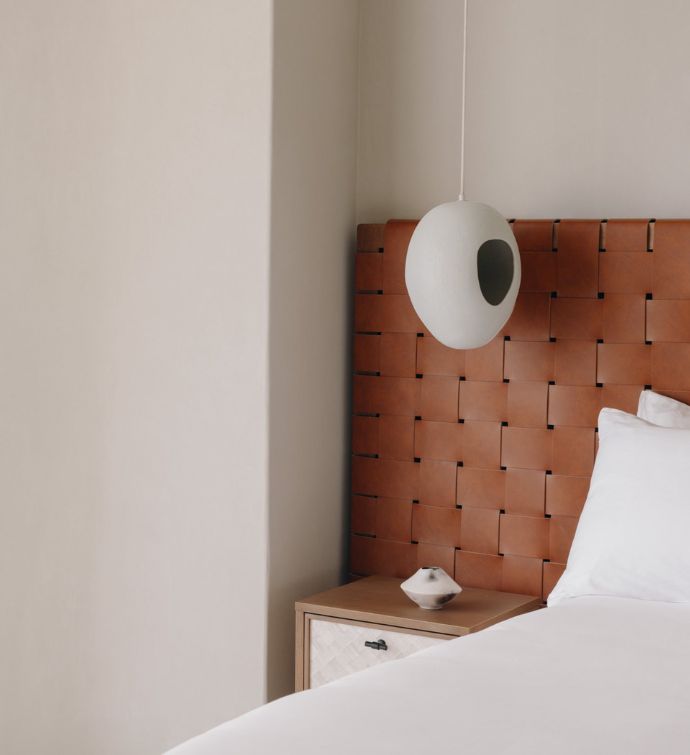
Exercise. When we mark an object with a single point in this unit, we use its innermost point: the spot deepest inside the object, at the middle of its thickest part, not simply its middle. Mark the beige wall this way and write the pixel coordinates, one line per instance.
(312, 236)
(134, 245)
(169, 193)
(409, 109)
(574, 108)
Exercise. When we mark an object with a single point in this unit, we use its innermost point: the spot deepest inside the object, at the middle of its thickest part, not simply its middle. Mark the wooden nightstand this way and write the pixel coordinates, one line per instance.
(372, 621)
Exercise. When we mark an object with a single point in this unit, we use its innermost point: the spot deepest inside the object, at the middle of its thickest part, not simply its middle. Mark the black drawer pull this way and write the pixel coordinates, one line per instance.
(376, 644)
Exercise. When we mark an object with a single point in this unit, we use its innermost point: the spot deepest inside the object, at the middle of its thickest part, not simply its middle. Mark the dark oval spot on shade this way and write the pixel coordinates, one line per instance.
(495, 268)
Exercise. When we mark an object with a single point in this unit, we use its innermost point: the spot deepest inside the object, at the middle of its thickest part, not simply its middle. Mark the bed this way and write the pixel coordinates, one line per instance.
(605, 668)
(592, 674)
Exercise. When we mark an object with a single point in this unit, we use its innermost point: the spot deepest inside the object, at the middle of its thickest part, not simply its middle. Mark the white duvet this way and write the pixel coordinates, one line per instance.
(591, 675)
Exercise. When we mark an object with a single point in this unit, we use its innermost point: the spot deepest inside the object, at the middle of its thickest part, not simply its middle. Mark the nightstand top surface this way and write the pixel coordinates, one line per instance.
(380, 600)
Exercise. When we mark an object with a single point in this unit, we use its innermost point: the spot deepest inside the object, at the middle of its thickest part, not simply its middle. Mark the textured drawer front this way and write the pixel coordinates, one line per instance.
(338, 649)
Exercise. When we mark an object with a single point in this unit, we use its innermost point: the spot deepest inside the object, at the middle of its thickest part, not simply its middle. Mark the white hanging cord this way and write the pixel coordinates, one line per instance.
(462, 104)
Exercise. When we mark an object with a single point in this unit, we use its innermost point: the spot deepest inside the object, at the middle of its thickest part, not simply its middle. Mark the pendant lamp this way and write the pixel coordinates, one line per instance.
(463, 264)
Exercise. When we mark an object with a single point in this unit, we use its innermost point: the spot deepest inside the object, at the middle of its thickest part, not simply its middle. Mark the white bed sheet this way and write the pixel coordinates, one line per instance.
(591, 675)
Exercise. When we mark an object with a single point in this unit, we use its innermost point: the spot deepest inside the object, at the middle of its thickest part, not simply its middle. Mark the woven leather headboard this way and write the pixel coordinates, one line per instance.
(479, 461)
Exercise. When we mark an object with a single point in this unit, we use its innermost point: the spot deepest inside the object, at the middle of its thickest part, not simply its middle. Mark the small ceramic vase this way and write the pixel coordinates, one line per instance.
(431, 588)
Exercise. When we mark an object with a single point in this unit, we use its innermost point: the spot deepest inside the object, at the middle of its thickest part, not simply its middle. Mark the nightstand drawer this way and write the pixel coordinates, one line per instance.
(332, 627)
(338, 648)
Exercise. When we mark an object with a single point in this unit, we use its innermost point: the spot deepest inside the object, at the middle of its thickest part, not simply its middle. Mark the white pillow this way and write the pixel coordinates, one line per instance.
(662, 410)
(633, 535)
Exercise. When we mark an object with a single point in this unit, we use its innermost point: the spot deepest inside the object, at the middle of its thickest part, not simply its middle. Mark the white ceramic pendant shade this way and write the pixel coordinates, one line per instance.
(463, 273)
